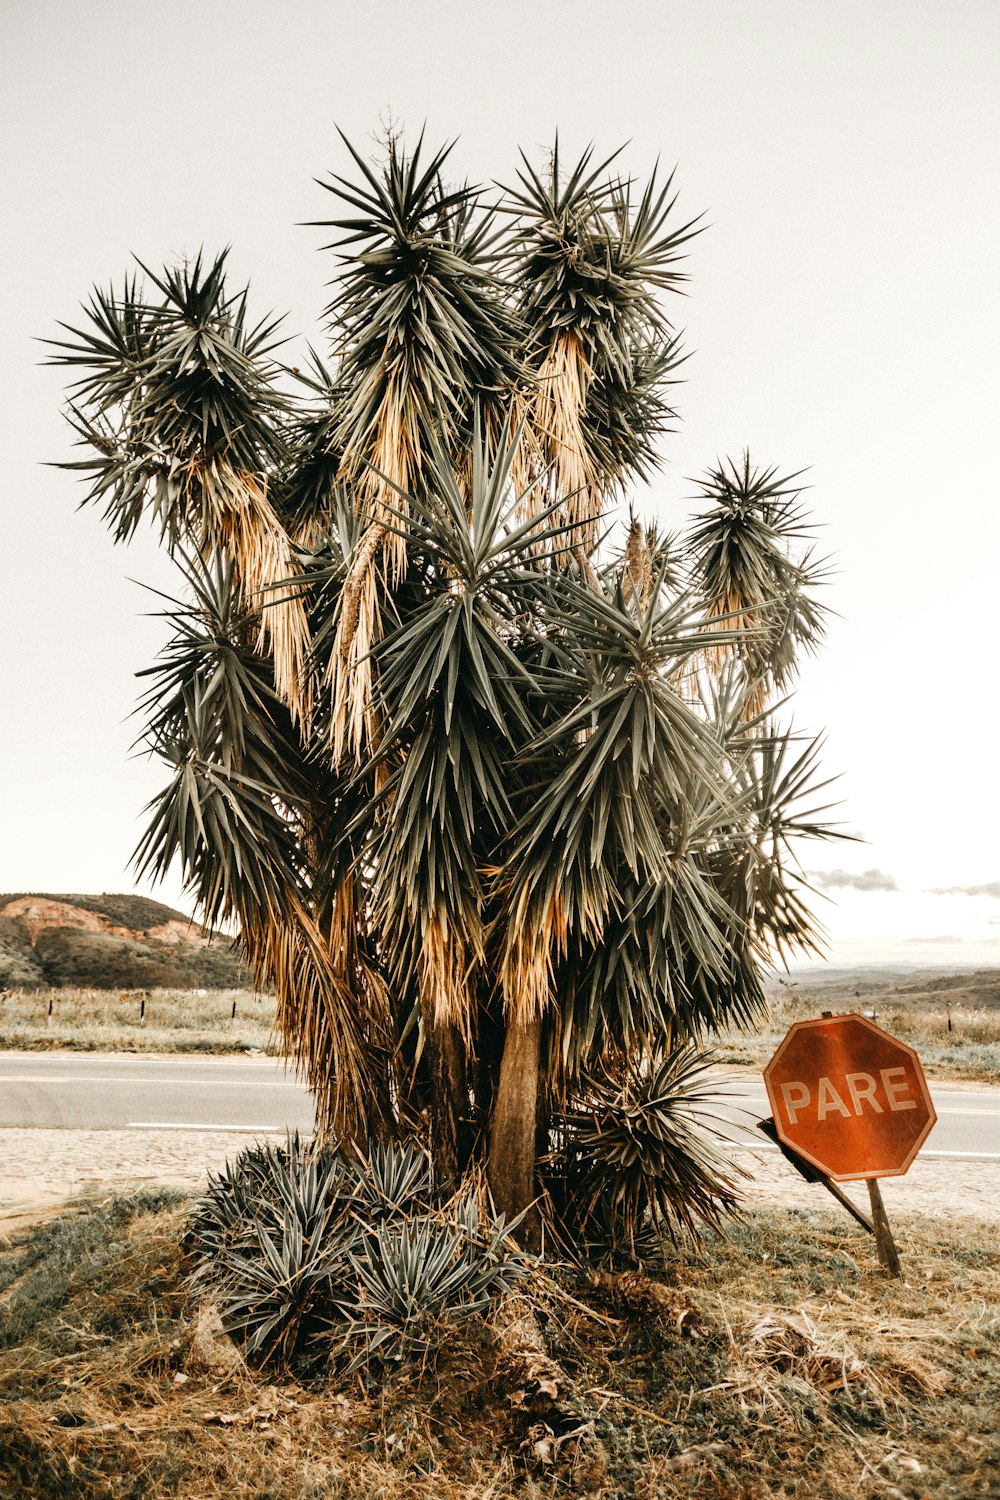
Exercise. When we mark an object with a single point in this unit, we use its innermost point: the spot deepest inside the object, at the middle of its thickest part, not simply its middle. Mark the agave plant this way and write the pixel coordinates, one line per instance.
(271, 1237)
(419, 1276)
(491, 790)
(315, 1254)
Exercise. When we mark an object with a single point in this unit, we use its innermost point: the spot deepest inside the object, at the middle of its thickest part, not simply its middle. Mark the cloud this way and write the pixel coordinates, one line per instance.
(990, 888)
(869, 880)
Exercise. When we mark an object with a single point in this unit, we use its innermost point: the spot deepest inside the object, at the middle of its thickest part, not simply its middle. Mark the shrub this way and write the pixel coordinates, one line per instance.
(314, 1253)
(633, 1158)
(419, 1275)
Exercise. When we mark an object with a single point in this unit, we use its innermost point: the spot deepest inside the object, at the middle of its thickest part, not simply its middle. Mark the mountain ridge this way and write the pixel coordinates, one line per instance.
(109, 941)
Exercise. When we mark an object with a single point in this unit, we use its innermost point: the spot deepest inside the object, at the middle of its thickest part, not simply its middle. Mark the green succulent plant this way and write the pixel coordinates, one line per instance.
(638, 1155)
(314, 1254)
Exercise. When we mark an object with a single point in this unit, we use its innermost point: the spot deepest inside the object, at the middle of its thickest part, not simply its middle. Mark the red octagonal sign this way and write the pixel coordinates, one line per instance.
(849, 1097)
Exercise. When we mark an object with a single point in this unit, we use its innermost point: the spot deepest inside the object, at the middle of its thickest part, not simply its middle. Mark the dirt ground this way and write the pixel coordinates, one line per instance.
(42, 1169)
(777, 1361)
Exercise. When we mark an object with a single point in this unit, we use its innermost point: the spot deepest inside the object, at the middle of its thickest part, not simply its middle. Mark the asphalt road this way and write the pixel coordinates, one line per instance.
(968, 1123)
(84, 1091)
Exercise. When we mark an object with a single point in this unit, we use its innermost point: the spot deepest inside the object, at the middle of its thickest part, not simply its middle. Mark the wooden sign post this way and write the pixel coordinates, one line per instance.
(852, 1103)
(884, 1242)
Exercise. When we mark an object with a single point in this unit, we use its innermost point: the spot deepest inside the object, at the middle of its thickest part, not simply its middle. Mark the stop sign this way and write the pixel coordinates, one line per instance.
(849, 1098)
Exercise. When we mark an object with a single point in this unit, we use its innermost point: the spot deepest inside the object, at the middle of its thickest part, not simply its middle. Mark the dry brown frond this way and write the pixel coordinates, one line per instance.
(912, 1371)
(443, 969)
(330, 1032)
(559, 404)
(793, 1344)
(642, 1296)
(231, 510)
(309, 534)
(527, 966)
(730, 613)
(358, 625)
(528, 467)
(733, 615)
(246, 526)
(391, 469)
(385, 476)
(756, 702)
(638, 565)
(342, 927)
(348, 961)
(527, 981)
(547, 1407)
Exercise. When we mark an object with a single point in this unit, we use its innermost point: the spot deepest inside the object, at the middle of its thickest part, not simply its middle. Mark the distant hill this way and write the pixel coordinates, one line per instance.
(914, 988)
(109, 942)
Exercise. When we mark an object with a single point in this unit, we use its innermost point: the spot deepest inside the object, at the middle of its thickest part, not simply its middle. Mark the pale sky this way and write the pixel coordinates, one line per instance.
(843, 313)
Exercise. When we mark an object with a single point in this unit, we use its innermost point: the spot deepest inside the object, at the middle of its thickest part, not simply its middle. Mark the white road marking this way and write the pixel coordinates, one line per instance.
(204, 1083)
(976, 1155)
(965, 1155)
(940, 1109)
(179, 1060)
(180, 1125)
(982, 1114)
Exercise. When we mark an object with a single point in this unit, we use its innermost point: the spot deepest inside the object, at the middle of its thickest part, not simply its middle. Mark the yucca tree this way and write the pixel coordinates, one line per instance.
(496, 802)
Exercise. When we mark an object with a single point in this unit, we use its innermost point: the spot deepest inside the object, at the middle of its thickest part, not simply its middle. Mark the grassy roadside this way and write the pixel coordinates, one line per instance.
(159, 1020)
(203, 1021)
(801, 1371)
(969, 1050)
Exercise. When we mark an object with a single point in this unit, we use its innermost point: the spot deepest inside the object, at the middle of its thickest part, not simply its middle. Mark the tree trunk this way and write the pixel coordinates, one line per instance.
(489, 1056)
(449, 1101)
(511, 1165)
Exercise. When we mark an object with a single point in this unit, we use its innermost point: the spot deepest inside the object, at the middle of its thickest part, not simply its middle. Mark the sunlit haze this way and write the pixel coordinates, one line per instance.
(843, 315)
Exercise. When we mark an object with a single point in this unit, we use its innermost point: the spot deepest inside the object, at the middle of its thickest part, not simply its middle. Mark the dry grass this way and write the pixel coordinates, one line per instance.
(202, 1021)
(779, 1362)
(920, 1016)
(110, 1020)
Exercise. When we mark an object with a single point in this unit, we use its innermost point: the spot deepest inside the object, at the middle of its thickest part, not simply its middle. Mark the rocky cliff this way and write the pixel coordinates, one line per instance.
(109, 942)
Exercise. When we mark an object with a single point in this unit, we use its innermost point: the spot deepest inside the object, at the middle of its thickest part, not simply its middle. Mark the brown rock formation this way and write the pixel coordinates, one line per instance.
(108, 942)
